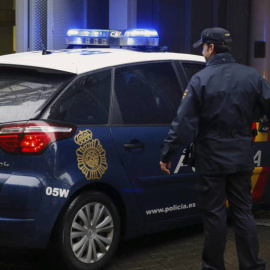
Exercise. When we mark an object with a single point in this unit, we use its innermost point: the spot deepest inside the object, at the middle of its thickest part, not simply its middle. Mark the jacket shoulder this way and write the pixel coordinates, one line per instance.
(246, 68)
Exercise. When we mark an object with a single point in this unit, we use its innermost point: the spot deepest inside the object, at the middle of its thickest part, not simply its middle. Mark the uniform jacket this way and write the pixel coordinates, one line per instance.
(220, 103)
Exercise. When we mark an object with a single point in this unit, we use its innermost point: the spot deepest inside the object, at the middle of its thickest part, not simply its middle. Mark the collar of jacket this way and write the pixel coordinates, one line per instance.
(221, 58)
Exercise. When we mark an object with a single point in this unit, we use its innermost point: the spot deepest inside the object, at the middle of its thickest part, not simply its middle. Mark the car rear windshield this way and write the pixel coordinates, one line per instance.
(23, 91)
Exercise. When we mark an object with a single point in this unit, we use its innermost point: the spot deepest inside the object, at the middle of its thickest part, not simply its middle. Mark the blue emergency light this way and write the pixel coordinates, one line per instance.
(99, 37)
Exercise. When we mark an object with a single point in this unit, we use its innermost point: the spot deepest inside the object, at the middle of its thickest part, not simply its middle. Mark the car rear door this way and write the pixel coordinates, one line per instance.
(146, 97)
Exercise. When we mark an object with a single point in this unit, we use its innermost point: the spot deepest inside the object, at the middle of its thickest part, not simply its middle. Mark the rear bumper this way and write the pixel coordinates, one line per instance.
(21, 193)
(27, 215)
(17, 232)
(20, 198)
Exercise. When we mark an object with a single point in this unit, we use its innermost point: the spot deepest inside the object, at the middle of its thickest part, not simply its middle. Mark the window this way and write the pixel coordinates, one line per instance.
(192, 69)
(146, 94)
(85, 102)
(187, 70)
(24, 92)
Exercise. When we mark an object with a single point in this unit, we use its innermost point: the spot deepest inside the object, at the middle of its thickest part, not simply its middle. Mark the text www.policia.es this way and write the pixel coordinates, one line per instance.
(166, 210)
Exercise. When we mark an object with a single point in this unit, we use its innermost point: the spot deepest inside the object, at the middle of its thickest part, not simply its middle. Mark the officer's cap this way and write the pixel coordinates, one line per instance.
(215, 35)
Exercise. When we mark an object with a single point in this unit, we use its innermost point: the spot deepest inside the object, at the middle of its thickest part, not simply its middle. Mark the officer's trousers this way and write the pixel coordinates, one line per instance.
(213, 190)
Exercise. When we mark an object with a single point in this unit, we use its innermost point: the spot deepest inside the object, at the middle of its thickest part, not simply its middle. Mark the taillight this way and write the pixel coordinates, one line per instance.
(32, 137)
(34, 143)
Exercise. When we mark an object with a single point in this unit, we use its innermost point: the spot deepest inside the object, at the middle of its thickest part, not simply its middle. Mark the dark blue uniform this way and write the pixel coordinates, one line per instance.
(220, 104)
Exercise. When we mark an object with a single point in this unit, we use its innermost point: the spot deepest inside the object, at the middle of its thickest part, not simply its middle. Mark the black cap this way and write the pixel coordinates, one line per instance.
(214, 35)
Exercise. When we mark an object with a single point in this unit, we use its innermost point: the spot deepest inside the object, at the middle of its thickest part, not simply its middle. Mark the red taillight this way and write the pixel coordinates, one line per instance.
(32, 137)
(34, 143)
(9, 143)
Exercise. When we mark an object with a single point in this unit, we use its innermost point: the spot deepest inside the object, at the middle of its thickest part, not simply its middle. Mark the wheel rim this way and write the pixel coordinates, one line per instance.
(91, 232)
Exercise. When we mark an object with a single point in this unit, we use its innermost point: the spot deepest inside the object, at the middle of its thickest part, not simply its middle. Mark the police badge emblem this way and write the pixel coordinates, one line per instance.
(91, 156)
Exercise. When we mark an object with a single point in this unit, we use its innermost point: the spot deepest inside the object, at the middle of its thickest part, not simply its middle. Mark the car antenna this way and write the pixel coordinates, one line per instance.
(44, 50)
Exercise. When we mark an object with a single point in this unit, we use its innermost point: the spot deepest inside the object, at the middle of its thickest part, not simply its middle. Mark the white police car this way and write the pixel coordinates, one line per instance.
(80, 136)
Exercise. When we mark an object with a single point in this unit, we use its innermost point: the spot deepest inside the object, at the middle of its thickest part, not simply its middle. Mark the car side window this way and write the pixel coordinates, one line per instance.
(187, 69)
(85, 102)
(192, 69)
(146, 94)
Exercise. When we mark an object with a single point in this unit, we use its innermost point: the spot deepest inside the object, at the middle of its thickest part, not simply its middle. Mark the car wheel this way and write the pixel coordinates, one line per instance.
(89, 232)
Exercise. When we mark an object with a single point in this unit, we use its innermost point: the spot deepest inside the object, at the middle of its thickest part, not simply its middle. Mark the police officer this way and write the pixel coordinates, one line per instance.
(220, 104)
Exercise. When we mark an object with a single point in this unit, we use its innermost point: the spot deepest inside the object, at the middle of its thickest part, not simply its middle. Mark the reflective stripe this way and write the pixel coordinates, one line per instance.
(260, 174)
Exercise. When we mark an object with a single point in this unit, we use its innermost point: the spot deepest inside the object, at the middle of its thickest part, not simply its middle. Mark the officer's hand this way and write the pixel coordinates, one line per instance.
(165, 167)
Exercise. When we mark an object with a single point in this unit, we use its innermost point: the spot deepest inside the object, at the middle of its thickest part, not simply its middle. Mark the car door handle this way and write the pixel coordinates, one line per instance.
(134, 145)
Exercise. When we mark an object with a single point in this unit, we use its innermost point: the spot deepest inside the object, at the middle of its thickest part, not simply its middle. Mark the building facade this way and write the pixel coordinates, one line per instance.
(42, 24)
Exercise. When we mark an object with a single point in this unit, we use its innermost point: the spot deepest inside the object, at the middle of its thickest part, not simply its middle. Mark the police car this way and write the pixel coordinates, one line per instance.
(80, 136)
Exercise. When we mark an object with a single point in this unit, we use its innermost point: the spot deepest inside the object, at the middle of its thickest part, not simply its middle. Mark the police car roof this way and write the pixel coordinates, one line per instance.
(78, 61)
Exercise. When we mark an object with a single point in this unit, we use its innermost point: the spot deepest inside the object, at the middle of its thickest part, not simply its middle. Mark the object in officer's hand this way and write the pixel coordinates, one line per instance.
(264, 124)
(189, 155)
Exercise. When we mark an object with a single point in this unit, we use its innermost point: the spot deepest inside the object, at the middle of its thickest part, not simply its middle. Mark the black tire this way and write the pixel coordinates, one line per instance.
(89, 232)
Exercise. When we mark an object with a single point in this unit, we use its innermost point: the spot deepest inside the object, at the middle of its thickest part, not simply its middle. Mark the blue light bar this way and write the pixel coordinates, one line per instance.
(88, 33)
(141, 33)
(88, 37)
(129, 37)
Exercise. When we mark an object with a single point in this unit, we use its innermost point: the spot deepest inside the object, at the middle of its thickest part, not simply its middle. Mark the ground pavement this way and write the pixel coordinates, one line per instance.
(173, 250)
